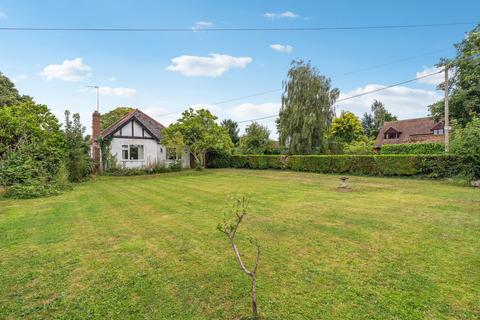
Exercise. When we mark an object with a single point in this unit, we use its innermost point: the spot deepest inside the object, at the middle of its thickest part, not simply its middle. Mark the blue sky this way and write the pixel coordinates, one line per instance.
(164, 72)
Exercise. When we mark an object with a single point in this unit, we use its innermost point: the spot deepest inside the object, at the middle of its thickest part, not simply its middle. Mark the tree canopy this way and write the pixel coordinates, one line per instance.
(113, 116)
(232, 128)
(372, 123)
(255, 140)
(197, 131)
(464, 82)
(347, 128)
(307, 108)
(466, 145)
(9, 95)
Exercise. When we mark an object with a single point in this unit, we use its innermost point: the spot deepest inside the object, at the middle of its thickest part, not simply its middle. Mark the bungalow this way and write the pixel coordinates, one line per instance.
(419, 130)
(136, 142)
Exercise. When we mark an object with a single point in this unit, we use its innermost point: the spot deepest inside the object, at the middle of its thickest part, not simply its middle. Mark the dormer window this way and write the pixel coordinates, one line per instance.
(438, 131)
(391, 133)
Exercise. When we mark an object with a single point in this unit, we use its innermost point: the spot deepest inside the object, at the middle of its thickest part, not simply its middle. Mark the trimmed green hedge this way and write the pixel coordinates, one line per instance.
(435, 166)
(413, 148)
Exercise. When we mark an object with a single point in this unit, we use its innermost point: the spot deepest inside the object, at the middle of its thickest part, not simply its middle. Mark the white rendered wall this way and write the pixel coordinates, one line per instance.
(153, 152)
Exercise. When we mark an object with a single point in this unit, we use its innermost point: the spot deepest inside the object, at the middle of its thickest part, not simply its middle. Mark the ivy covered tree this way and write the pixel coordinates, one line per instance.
(232, 128)
(109, 118)
(255, 140)
(197, 131)
(347, 128)
(464, 98)
(307, 108)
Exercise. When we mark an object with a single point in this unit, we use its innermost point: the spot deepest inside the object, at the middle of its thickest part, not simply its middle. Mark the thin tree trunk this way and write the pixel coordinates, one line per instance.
(254, 297)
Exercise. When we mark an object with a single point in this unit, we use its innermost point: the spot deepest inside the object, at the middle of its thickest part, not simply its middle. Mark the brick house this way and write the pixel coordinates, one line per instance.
(418, 130)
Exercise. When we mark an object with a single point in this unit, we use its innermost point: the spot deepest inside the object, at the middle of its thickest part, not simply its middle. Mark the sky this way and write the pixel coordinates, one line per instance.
(164, 72)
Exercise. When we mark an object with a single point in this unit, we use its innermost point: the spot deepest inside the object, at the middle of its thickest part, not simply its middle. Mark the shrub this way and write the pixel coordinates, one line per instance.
(258, 161)
(218, 159)
(34, 189)
(435, 166)
(413, 148)
(466, 146)
(175, 166)
(359, 147)
(151, 169)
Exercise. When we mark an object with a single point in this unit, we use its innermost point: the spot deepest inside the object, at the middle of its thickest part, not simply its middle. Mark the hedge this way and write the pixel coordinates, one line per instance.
(435, 166)
(413, 148)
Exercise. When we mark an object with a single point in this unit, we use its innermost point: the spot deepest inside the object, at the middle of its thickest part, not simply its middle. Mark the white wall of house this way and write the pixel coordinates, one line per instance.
(153, 152)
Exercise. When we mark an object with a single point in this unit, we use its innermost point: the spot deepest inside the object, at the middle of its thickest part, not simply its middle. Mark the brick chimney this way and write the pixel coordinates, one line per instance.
(95, 144)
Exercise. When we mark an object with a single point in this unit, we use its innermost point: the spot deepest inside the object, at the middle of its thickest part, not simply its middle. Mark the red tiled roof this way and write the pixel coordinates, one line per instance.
(412, 130)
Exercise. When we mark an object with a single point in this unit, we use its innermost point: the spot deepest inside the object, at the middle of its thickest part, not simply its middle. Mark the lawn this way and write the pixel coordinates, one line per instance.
(147, 247)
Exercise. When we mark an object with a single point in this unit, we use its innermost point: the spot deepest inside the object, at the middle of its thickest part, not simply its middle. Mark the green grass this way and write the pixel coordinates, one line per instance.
(147, 248)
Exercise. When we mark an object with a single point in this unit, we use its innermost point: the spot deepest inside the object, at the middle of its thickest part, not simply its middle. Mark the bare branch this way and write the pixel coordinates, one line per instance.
(240, 211)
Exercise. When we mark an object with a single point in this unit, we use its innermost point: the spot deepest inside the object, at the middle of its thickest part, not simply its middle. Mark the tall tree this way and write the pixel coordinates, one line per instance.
(307, 108)
(113, 116)
(78, 162)
(9, 95)
(372, 123)
(255, 140)
(464, 99)
(232, 128)
(347, 128)
(368, 124)
(197, 131)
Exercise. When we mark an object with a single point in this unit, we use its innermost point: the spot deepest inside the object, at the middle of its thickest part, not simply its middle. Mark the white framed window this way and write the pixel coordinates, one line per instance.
(132, 152)
(438, 131)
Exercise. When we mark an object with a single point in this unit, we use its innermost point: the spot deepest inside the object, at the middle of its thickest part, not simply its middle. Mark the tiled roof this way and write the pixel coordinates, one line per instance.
(148, 122)
(411, 131)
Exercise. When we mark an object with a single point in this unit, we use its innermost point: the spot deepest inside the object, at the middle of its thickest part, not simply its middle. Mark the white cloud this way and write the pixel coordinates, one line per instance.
(247, 111)
(286, 14)
(402, 101)
(69, 70)
(3, 15)
(199, 25)
(213, 65)
(282, 48)
(434, 79)
(118, 92)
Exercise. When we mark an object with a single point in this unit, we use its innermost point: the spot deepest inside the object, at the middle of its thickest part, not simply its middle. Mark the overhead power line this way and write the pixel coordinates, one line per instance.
(360, 94)
(334, 77)
(193, 29)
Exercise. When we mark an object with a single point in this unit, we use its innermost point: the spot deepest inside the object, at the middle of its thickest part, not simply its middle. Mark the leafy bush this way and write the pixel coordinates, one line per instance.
(175, 166)
(435, 166)
(364, 146)
(218, 159)
(152, 169)
(466, 145)
(413, 148)
(259, 161)
(33, 189)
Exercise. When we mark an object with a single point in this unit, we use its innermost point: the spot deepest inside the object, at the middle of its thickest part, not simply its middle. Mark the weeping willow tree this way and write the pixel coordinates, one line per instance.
(307, 109)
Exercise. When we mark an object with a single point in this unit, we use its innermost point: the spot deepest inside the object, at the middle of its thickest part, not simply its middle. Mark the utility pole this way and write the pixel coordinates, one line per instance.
(98, 96)
(446, 127)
